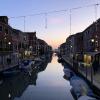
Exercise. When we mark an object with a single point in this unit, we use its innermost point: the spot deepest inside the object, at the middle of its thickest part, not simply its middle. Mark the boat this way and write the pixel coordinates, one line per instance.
(1, 81)
(26, 64)
(10, 73)
(86, 98)
(80, 87)
(37, 59)
(43, 58)
(31, 63)
(68, 73)
(60, 60)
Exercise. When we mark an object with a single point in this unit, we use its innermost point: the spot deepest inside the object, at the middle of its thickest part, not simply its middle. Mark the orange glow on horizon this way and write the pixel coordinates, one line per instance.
(55, 43)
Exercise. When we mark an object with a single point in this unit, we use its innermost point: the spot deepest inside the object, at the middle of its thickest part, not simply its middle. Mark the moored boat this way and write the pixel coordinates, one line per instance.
(86, 98)
(10, 73)
(68, 73)
(80, 87)
(26, 64)
(60, 60)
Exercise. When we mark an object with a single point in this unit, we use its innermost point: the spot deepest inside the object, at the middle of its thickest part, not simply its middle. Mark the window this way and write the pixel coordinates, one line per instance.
(0, 44)
(25, 38)
(6, 30)
(0, 28)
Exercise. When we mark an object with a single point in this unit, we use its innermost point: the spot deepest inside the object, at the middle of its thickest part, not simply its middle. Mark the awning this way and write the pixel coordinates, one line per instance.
(92, 53)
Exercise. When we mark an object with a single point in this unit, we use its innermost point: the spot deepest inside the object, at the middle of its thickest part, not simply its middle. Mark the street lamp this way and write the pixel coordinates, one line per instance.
(9, 43)
(71, 46)
(5, 38)
(92, 40)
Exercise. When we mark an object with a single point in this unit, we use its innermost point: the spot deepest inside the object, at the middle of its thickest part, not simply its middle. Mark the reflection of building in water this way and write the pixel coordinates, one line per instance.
(44, 65)
(50, 57)
(15, 86)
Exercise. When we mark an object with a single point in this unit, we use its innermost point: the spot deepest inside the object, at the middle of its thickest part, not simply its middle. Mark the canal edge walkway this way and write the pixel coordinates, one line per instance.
(95, 86)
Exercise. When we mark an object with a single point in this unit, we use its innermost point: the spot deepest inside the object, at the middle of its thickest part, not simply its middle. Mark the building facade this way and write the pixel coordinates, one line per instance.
(16, 45)
(84, 46)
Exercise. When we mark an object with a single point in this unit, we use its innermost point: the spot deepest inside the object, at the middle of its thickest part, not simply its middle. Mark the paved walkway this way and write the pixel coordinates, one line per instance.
(96, 77)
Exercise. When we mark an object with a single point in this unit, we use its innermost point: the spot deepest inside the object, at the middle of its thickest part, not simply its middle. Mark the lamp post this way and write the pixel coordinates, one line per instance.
(9, 43)
(92, 40)
(93, 43)
(70, 20)
(38, 49)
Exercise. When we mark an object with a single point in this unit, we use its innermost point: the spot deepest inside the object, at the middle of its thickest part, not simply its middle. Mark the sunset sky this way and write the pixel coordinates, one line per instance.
(58, 24)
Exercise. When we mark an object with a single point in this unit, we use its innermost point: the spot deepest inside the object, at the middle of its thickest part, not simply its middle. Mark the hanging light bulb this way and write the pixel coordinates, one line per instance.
(70, 20)
(9, 95)
(24, 22)
(45, 20)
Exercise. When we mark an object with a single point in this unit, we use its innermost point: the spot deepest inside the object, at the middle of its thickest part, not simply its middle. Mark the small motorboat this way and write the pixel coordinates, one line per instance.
(25, 64)
(68, 73)
(31, 63)
(86, 98)
(80, 87)
(1, 81)
(43, 58)
(60, 60)
(10, 73)
(38, 59)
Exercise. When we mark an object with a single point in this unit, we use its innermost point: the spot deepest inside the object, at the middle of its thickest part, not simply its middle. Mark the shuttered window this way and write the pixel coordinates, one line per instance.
(0, 28)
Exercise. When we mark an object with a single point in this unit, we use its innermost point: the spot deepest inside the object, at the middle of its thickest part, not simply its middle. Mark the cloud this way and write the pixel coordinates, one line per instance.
(56, 21)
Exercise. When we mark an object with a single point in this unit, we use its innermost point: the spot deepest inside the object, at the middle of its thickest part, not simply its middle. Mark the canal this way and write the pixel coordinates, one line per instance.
(46, 83)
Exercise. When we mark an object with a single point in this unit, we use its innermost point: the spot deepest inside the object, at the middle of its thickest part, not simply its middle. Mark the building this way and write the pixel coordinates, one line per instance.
(43, 47)
(31, 41)
(20, 43)
(91, 42)
(16, 45)
(5, 35)
(62, 49)
(91, 37)
(7, 55)
(78, 46)
(84, 46)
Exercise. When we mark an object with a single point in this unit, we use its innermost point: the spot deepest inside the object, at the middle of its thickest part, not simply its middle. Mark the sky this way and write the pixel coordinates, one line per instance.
(54, 28)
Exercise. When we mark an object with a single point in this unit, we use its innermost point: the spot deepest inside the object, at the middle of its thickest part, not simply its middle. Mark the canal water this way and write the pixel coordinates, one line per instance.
(46, 83)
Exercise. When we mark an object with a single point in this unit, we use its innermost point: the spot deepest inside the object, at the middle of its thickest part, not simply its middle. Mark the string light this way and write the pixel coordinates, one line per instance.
(70, 21)
(45, 20)
(72, 9)
(55, 11)
(58, 11)
(24, 23)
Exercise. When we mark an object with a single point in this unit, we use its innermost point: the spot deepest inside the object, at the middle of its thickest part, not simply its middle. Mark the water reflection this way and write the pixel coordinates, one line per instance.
(15, 86)
(45, 83)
